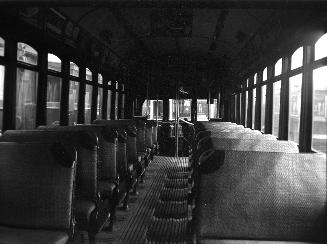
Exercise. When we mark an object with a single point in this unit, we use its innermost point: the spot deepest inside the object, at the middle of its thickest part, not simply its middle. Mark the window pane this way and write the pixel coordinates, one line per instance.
(116, 104)
(240, 106)
(73, 101)
(255, 78)
(202, 110)
(53, 100)
(276, 107)
(294, 107)
(213, 109)
(235, 107)
(263, 107)
(2, 77)
(254, 100)
(246, 107)
(319, 126)
(2, 47)
(88, 99)
(99, 108)
(123, 105)
(278, 67)
(73, 69)
(26, 54)
(264, 74)
(151, 108)
(297, 58)
(100, 79)
(54, 63)
(26, 96)
(109, 104)
(321, 47)
(88, 75)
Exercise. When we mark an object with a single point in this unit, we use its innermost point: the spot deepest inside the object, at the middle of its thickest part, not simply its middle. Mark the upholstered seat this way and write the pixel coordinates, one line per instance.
(36, 189)
(31, 236)
(261, 196)
(83, 211)
(107, 188)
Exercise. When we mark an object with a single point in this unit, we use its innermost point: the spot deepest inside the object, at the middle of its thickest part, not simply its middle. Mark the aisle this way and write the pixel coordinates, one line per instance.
(159, 214)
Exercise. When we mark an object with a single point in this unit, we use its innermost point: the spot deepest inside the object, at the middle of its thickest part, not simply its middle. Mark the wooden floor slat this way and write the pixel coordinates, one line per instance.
(132, 226)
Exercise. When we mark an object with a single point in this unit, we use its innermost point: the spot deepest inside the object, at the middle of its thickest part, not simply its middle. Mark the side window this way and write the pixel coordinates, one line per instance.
(88, 97)
(73, 93)
(2, 77)
(53, 90)
(297, 58)
(263, 107)
(26, 88)
(295, 86)
(319, 103)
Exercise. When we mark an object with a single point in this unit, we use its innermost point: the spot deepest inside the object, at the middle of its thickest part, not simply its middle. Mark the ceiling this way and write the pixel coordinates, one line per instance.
(227, 39)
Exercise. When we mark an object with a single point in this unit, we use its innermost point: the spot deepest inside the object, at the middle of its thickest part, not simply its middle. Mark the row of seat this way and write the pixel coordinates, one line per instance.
(56, 177)
(252, 188)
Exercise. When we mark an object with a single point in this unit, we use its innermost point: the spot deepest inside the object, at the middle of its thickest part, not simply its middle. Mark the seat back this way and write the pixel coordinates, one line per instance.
(122, 154)
(36, 185)
(87, 154)
(129, 126)
(140, 136)
(233, 144)
(261, 196)
(149, 134)
(107, 146)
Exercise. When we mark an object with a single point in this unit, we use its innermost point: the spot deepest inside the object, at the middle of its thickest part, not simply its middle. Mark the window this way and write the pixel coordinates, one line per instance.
(100, 79)
(319, 125)
(88, 100)
(153, 109)
(54, 63)
(184, 108)
(26, 88)
(278, 67)
(213, 109)
(246, 108)
(116, 101)
(53, 99)
(26, 54)
(26, 97)
(255, 79)
(73, 69)
(276, 107)
(73, 101)
(88, 75)
(295, 85)
(321, 47)
(2, 77)
(297, 58)
(235, 107)
(2, 47)
(109, 102)
(53, 91)
(264, 74)
(240, 107)
(99, 107)
(263, 107)
(254, 100)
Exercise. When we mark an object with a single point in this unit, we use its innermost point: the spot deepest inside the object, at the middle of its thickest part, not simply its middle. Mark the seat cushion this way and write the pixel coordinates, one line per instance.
(83, 211)
(208, 241)
(106, 188)
(29, 236)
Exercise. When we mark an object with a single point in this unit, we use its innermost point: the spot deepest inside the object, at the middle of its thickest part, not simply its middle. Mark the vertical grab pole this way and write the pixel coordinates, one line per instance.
(177, 118)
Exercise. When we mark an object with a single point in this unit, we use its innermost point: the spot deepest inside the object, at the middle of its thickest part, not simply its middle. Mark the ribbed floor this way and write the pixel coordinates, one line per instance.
(160, 213)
